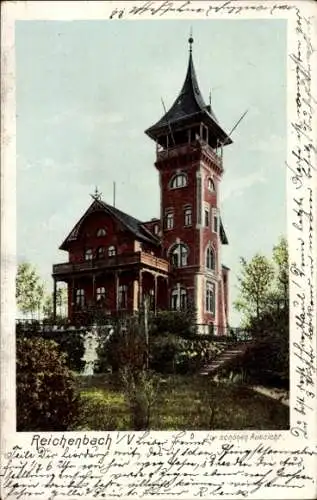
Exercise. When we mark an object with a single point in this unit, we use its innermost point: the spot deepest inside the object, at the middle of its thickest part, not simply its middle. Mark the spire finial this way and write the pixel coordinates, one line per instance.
(97, 195)
(190, 39)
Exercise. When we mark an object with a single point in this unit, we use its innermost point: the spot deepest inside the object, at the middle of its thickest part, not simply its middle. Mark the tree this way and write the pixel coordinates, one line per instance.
(29, 289)
(280, 258)
(61, 303)
(256, 281)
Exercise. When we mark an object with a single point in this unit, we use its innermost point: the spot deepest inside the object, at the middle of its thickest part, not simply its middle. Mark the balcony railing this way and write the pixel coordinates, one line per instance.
(116, 261)
(189, 148)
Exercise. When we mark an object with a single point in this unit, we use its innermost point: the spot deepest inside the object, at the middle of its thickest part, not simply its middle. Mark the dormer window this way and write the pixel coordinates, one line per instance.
(178, 181)
(88, 254)
(156, 229)
(211, 185)
(112, 251)
(101, 232)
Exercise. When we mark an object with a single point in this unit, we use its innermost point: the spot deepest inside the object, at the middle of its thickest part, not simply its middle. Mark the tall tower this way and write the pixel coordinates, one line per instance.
(189, 158)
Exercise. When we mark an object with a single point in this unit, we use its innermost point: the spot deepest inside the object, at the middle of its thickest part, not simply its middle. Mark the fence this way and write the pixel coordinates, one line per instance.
(203, 331)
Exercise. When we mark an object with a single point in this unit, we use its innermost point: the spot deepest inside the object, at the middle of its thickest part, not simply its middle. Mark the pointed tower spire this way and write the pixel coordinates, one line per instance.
(189, 106)
(190, 40)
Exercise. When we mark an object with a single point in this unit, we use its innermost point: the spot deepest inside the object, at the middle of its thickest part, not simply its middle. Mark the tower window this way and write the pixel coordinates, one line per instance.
(101, 252)
(178, 181)
(188, 216)
(211, 184)
(215, 221)
(210, 297)
(178, 299)
(206, 217)
(210, 258)
(100, 293)
(88, 254)
(169, 220)
(112, 251)
(101, 232)
(80, 297)
(179, 255)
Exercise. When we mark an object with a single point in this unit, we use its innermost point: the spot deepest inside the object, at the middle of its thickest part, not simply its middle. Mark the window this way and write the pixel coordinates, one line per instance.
(188, 216)
(101, 232)
(123, 296)
(101, 252)
(112, 251)
(100, 293)
(210, 297)
(179, 255)
(211, 184)
(169, 220)
(206, 217)
(210, 258)
(178, 299)
(178, 181)
(80, 297)
(215, 221)
(156, 228)
(88, 254)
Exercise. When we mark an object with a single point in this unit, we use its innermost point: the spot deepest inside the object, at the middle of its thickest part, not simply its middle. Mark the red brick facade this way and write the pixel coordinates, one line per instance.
(175, 260)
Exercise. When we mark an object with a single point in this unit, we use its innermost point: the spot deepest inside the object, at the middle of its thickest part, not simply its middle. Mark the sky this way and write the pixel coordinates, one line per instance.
(87, 90)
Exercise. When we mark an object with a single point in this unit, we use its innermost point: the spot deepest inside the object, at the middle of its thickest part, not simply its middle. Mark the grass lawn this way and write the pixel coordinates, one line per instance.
(182, 402)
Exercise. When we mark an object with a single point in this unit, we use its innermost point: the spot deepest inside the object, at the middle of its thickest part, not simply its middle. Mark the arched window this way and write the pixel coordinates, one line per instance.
(100, 293)
(101, 232)
(112, 251)
(88, 254)
(211, 184)
(80, 297)
(101, 252)
(188, 216)
(178, 299)
(179, 255)
(210, 297)
(210, 258)
(178, 181)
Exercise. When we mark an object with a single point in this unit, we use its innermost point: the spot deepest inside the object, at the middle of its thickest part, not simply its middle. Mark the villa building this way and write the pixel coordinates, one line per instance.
(115, 261)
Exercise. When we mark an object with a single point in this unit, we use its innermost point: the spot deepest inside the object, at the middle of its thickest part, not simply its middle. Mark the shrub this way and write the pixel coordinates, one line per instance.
(140, 389)
(70, 342)
(46, 390)
(125, 347)
(181, 323)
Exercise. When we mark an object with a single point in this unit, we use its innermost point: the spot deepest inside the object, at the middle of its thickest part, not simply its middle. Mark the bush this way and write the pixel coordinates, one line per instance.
(46, 390)
(126, 346)
(181, 323)
(70, 342)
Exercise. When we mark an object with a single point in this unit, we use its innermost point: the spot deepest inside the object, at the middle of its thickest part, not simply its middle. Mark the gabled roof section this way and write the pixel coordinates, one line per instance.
(132, 224)
(189, 104)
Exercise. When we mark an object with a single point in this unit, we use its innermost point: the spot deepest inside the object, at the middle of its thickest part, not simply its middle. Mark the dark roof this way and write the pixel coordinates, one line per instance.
(130, 223)
(223, 236)
(189, 104)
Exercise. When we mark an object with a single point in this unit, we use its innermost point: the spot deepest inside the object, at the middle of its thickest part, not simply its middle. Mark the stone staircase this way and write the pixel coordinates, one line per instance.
(233, 350)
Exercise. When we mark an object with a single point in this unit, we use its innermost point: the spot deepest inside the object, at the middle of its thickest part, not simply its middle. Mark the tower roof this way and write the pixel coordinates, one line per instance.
(189, 106)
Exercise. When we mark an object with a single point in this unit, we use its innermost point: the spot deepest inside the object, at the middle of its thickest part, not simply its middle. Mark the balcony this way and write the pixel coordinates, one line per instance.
(190, 148)
(137, 259)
